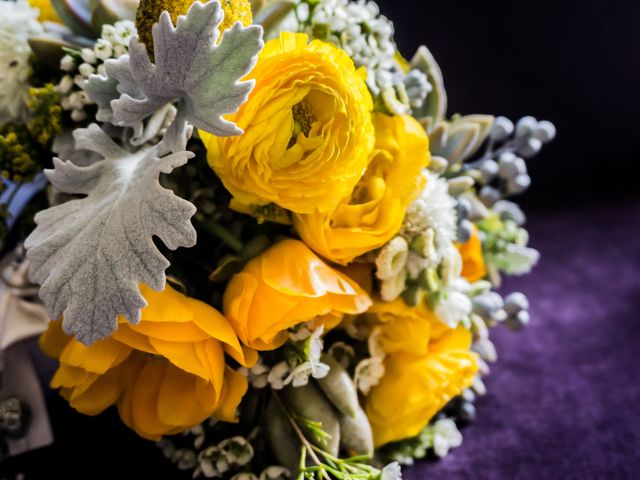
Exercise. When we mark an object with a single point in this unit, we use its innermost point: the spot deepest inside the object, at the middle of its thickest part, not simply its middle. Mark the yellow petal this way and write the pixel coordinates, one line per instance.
(235, 387)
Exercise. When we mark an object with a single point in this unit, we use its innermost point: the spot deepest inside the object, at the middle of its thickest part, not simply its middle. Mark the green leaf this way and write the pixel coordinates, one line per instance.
(89, 255)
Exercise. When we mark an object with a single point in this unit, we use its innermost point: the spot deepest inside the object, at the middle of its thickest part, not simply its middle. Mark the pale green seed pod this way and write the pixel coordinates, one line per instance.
(339, 387)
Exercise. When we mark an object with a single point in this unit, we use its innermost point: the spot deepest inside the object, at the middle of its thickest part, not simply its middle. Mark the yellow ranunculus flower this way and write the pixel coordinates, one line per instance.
(283, 287)
(473, 265)
(427, 364)
(166, 374)
(47, 12)
(308, 133)
(373, 213)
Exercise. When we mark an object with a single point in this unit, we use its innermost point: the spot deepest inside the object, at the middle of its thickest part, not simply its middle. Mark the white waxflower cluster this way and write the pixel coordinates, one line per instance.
(367, 36)
(231, 454)
(425, 242)
(274, 472)
(113, 43)
(370, 371)
(18, 22)
(282, 373)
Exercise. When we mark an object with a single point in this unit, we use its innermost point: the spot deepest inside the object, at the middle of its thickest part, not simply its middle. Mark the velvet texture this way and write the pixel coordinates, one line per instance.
(563, 398)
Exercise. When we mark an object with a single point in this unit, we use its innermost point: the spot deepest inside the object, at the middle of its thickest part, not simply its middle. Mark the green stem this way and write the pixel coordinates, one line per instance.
(303, 439)
(214, 228)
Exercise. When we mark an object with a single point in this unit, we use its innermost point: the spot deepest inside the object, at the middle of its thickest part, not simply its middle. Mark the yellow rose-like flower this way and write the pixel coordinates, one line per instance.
(283, 287)
(373, 214)
(473, 265)
(308, 132)
(427, 364)
(166, 374)
(47, 12)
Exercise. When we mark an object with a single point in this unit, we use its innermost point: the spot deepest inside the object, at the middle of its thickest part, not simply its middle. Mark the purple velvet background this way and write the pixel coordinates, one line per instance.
(563, 398)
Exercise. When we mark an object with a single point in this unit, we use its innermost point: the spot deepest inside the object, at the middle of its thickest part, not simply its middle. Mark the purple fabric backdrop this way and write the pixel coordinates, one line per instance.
(563, 398)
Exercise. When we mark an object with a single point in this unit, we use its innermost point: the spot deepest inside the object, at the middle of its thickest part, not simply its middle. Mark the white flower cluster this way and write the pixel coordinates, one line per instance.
(283, 374)
(426, 241)
(445, 436)
(270, 473)
(18, 22)
(216, 460)
(370, 371)
(367, 36)
(113, 43)
(440, 436)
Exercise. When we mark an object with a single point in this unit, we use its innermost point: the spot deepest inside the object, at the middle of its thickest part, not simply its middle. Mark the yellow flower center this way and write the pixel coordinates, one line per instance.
(149, 12)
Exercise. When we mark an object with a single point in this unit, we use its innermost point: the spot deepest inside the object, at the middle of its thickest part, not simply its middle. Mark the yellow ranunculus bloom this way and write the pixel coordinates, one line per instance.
(308, 133)
(373, 213)
(47, 12)
(473, 265)
(427, 364)
(166, 374)
(283, 287)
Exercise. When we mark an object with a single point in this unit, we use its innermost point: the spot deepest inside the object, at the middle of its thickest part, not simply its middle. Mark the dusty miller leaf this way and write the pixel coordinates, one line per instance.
(191, 68)
(89, 255)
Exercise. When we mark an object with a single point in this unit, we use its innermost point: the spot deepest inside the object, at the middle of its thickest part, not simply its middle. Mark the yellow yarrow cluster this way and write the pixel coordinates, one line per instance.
(149, 12)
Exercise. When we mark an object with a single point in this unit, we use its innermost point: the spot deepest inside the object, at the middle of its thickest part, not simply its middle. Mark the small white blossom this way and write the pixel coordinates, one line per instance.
(103, 49)
(277, 375)
(85, 69)
(453, 307)
(238, 450)
(374, 344)
(68, 63)
(392, 258)
(300, 375)
(391, 472)
(392, 288)
(244, 476)
(88, 55)
(368, 374)
(435, 209)
(445, 437)
(213, 462)
(78, 115)
(65, 85)
(275, 473)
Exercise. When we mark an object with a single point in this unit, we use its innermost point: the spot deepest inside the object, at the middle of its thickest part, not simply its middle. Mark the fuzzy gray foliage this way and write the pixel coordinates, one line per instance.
(90, 254)
(192, 69)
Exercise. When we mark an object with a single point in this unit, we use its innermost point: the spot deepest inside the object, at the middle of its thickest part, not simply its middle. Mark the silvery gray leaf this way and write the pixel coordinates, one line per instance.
(89, 255)
(461, 138)
(191, 68)
(434, 108)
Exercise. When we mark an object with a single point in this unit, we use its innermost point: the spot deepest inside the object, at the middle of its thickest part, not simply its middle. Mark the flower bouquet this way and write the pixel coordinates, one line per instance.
(256, 230)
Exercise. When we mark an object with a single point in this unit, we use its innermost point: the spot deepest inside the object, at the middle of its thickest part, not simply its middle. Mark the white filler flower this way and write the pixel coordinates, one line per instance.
(18, 21)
